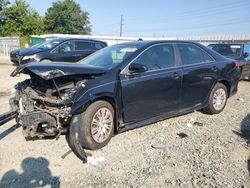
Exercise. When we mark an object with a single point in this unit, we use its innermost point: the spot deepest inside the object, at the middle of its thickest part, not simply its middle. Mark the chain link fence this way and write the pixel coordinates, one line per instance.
(7, 44)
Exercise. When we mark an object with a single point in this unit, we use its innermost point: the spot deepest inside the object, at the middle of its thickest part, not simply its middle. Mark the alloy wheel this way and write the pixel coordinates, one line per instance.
(219, 99)
(102, 125)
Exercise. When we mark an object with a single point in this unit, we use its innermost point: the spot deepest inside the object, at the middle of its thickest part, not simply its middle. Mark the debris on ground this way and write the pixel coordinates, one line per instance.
(182, 135)
(95, 161)
(198, 123)
(190, 122)
(240, 99)
(155, 146)
(66, 154)
(193, 122)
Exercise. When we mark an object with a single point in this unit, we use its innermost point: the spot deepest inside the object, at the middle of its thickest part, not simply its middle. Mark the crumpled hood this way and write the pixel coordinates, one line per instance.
(28, 51)
(48, 71)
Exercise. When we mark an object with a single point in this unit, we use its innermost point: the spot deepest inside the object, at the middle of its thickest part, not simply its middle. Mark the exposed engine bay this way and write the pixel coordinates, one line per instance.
(44, 105)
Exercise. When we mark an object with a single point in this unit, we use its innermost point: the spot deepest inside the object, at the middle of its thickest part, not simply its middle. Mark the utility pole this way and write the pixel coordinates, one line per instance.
(121, 25)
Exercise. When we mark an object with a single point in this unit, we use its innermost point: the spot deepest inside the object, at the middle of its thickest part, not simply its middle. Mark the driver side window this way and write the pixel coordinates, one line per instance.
(67, 46)
(157, 57)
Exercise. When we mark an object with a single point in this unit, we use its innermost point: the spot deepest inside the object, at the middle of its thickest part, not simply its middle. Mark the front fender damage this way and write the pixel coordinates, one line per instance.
(44, 106)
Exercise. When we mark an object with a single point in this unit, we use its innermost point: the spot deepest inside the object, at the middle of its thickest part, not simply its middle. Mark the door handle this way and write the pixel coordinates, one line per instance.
(215, 69)
(176, 76)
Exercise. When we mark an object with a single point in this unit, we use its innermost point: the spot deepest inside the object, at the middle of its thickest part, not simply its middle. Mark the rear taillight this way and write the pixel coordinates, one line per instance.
(237, 65)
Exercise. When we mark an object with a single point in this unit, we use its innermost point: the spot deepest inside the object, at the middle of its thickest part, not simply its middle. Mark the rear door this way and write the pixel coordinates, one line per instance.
(156, 91)
(83, 49)
(199, 75)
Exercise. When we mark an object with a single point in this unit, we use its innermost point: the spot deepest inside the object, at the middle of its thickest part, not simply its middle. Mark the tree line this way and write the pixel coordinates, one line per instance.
(19, 19)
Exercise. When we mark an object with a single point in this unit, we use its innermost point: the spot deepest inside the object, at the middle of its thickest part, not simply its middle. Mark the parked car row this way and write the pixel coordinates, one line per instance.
(237, 51)
(119, 88)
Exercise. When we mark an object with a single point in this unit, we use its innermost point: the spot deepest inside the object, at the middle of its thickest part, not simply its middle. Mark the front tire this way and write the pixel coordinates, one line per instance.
(96, 126)
(46, 61)
(217, 99)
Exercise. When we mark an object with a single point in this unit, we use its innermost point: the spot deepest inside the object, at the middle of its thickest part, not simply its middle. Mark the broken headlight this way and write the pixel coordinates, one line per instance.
(68, 94)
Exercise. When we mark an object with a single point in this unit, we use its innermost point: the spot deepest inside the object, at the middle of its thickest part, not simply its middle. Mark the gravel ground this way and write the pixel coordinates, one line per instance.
(170, 153)
(6, 81)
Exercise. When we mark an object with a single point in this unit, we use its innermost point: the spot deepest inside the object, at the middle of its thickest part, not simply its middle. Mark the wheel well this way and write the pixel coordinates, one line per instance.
(228, 86)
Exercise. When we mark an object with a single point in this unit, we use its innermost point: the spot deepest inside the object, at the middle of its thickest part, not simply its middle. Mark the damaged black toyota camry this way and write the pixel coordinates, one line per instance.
(119, 88)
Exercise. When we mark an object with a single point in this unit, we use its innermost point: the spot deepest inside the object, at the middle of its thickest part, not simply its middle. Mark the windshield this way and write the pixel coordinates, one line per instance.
(47, 44)
(230, 50)
(111, 56)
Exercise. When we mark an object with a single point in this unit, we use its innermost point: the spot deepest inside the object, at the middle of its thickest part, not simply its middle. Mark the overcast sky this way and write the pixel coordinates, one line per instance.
(169, 18)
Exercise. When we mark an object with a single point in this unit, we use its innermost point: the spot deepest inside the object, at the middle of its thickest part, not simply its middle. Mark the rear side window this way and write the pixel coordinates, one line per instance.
(247, 50)
(81, 45)
(191, 54)
(157, 57)
(98, 46)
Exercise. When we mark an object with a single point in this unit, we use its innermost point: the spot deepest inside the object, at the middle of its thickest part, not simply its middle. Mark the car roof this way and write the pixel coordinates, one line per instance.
(145, 44)
(82, 39)
(152, 42)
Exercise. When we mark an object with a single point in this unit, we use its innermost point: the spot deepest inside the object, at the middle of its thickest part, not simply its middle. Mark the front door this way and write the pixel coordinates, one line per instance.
(156, 91)
(64, 52)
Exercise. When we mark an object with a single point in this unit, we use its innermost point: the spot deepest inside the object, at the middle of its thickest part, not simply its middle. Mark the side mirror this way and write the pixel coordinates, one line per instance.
(246, 54)
(137, 68)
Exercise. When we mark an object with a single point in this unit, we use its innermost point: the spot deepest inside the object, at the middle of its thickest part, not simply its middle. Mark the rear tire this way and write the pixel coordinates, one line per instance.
(217, 99)
(95, 128)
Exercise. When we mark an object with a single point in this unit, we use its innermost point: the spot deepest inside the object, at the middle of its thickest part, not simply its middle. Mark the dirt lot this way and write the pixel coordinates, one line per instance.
(6, 81)
(214, 153)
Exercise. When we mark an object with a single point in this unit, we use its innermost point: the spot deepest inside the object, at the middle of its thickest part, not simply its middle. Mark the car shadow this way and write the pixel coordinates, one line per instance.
(245, 133)
(9, 131)
(35, 174)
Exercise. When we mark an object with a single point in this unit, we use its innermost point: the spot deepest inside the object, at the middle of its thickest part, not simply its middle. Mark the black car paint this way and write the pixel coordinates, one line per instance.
(143, 98)
(66, 69)
(242, 60)
(49, 54)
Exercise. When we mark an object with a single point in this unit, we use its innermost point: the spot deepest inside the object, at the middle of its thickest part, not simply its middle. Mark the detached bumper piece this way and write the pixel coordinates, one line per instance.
(38, 125)
(6, 117)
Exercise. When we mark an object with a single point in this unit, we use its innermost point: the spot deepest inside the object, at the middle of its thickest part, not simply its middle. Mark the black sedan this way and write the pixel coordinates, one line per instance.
(64, 50)
(122, 87)
(237, 51)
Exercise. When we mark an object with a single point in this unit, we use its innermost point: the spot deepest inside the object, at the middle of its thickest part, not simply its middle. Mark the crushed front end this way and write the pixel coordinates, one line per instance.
(44, 102)
(41, 110)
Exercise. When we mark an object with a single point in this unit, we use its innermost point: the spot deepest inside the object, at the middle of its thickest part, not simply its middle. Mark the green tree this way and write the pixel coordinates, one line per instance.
(67, 17)
(3, 4)
(21, 20)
